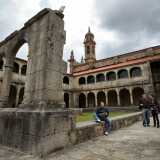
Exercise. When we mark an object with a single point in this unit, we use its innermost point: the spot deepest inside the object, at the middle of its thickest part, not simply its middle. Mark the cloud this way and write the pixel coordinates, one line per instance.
(135, 24)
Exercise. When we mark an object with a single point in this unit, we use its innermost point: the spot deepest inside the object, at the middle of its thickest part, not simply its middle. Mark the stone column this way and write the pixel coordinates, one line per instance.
(131, 96)
(106, 93)
(118, 97)
(86, 100)
(7, 77)
(17, 96)
(96, 103)
(44, 80)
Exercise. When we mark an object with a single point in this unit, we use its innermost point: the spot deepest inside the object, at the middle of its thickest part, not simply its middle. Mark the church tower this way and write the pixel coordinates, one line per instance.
(89, 45)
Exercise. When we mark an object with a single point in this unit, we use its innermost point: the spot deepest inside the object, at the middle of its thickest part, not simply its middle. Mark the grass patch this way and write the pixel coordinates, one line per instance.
(88, 116)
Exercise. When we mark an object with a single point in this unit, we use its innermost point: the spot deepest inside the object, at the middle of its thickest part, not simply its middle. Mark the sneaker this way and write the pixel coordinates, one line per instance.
(106, 133)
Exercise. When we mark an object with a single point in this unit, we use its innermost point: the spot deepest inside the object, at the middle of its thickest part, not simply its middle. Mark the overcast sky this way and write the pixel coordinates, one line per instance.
(119, 26)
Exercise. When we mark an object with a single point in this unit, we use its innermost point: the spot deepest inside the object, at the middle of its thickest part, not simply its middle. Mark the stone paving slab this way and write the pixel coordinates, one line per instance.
(131, 143)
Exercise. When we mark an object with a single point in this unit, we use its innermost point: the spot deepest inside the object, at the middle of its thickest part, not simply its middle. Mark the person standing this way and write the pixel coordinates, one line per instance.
(154, 111)
(144, 104)
(102, 114)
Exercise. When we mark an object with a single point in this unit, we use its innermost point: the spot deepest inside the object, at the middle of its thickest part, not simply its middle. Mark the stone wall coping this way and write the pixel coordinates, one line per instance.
(87, 124)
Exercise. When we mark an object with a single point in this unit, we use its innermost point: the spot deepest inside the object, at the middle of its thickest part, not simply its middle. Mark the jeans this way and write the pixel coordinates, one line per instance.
(155, 118)
(146, 117)
(107, 122)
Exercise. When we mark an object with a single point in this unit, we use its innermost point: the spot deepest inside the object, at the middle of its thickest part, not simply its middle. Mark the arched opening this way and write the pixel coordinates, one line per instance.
(111, 76)
(21, 95)
(90, 79)
(65, 80)
(16, 67)
(82, 80)
(24, 69)
(122, 74)
(101, 97)
(136, 72)
(137, 93)
(66, 100)
(82, 101)
(100, 77)
(1, 65)
(88, 49)
(91, 100)
(112, 98)
(12, 96)
(124, 97)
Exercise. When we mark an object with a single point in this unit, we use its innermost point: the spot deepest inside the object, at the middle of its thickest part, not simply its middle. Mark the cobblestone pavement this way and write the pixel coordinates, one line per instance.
(131, 143)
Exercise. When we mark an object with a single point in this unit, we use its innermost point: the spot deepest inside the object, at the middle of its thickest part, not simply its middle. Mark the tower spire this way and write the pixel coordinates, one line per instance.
(89, 44)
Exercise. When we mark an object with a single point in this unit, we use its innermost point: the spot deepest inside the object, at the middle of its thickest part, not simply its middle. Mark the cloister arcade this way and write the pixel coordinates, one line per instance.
(114, 97)
(111, 76)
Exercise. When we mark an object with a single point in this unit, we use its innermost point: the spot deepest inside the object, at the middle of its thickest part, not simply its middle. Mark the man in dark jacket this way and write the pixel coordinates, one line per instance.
(102, 114)
(154, 111)
(144, 104)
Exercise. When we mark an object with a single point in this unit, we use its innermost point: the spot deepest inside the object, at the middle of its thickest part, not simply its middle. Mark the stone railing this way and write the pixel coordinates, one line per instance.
(88, 130)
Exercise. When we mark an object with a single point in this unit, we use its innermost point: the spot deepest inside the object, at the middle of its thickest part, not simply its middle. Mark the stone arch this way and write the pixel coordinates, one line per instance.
(1, 64)
(12, 96)
(66, 99)
(111, 76)
(38, 33)
(100, 77)
(91, 100)
(21, 95)
(16, 67)
(82, 100)
(137, 93)
(101, 97)
(24, 69)
(65, 80)
(112, 98)
(90, 79)
(124, 97)
(135, 72)
(82, 80)
(123, 73)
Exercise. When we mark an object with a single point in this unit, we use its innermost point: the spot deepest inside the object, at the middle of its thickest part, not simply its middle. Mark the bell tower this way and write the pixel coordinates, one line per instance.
(89, 45)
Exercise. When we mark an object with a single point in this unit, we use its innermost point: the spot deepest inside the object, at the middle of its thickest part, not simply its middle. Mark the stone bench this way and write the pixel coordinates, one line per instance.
(90, 129)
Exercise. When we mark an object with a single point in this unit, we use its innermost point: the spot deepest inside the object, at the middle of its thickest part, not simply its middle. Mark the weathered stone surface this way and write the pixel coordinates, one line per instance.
(36, 131)
(131, 143)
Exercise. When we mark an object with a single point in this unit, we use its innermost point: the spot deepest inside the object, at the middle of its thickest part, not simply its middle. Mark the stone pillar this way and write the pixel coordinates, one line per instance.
(7, 77)
(118, 97)
(86, 100)
(106, 93)
(17, 96)
(44, 80)
(131, 96)
(96, 102)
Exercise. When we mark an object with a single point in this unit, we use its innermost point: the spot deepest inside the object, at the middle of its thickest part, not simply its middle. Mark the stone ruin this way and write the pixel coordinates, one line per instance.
(40, 124)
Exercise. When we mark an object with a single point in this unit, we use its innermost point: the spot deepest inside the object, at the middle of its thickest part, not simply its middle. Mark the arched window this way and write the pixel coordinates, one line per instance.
(101, 97)
(124, 97)
(82, 80)
(90, 79)
(88, 49)
(24, 69)
(122, 74)
(136, 72)
(82, 101)
(21, 95)
(16, 67)
(12, 96)
(100, 77)
(137, 93)
(1, 65)
(112, 98)
(111, 76)
(66, 100)
(65, 80)
(91, 100)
